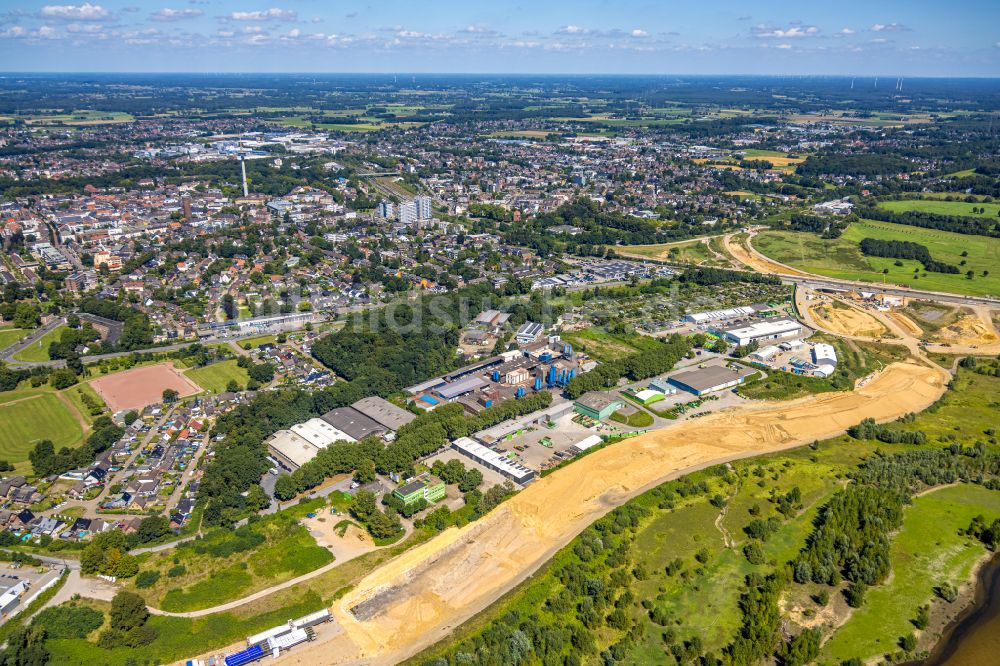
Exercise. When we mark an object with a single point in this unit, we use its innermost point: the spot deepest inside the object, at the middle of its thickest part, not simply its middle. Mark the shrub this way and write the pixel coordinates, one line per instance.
(68, 621)
(147, 579)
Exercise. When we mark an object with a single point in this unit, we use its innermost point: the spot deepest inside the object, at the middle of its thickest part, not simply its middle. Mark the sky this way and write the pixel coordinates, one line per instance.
(876, 37)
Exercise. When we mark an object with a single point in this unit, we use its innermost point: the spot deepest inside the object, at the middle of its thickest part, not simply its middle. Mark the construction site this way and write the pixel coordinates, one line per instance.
(417, 598)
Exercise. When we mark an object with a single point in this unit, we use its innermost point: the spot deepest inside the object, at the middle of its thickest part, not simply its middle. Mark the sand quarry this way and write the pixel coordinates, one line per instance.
(416, 599)
(139, 387)
(847, 321)
(970, 330)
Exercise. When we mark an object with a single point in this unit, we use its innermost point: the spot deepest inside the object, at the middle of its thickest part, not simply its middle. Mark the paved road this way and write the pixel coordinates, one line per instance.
(797, 276)
(33, 337)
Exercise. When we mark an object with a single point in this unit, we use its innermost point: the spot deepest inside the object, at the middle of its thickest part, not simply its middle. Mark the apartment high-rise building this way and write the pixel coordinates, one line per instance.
(424, 210)
(386, 210)
(406, 213)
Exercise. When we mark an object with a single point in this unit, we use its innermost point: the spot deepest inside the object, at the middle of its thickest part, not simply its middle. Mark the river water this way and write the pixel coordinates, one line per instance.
(974, 639)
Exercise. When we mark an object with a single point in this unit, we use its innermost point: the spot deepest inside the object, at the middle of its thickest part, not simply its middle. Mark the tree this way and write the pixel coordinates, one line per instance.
(232, 386)
(26, 647)
(170, 395)
(26, 315)
(285, 487)
(130, 417)
(365, 473)
(62, 378)
(128, 611)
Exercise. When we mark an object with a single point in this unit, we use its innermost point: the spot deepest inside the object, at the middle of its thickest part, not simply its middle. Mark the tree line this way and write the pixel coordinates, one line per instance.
(894, 249)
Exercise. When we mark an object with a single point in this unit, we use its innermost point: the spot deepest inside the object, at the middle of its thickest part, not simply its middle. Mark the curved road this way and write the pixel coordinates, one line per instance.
(752, 258)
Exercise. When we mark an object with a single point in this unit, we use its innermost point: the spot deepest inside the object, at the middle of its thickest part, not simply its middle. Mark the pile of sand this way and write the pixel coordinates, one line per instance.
(847, 321)
(968, 331)
(414, 600)
(908, 324)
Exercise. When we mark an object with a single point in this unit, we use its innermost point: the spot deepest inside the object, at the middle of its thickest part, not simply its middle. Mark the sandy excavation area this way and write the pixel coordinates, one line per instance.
(847, 321)
(968, 331)
(414, 600)
(908, 324)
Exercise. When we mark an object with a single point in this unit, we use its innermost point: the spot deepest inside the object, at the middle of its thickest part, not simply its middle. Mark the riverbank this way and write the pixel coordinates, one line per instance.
(971, 636)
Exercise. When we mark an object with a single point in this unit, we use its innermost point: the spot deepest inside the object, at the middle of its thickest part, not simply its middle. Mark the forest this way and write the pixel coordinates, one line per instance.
(958, 224)
(894, 249)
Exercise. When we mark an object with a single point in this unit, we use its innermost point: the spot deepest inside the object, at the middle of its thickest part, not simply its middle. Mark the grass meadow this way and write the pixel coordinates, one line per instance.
(842, 258)
(214, 377)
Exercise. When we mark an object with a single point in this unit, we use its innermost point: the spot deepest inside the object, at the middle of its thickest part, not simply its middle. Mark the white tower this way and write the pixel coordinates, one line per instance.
(243, 170)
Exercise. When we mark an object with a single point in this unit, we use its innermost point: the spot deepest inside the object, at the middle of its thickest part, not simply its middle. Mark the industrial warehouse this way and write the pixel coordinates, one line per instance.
(290, 449)
(547, 364)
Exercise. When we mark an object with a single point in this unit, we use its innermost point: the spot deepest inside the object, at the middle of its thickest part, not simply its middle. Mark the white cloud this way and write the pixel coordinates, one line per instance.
(46, 32)
(253, 30)
(889, 27)
(84, 12)
(168, 14)
(846, 32)
(637, 33)
(84, 28)
(572, 30)
(797, 31)
(272, 14)
(17, 31)
(783, 46)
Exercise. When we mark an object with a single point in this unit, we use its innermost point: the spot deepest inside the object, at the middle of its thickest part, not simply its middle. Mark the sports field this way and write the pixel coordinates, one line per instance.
(30, 415)
(842, 258)
(959, 208)
(140, 387)
(215, 377)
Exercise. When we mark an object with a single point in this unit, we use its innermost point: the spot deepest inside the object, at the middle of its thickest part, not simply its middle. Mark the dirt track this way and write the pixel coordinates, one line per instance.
(416, 599)
(755, 260)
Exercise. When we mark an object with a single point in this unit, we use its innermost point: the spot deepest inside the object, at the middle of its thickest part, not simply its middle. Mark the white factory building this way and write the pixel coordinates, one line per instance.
(718, 315)
(296, 446)
(825, 359)
(762, 331)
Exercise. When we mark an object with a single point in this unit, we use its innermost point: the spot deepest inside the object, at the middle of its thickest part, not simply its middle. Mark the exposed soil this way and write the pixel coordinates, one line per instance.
(417, 598)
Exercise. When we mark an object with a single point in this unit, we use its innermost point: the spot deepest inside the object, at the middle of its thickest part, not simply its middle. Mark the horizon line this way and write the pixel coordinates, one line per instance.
(887, 75)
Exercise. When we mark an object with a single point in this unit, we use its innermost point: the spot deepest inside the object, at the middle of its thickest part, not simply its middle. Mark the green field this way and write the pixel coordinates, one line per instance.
(215, 577)
(74, 393)
(9, 336)
(959, 208)
(685, 252)
(29, 416)
(214, 377)
(918, 566)
(842, 258)
(604, 346)
(39, 351)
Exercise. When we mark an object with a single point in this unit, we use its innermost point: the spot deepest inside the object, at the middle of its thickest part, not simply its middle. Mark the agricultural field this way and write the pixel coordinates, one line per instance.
(39, 351)
(842, 258)
(781, 161)
(30, 415)
(215, 377)
(682, 549)
(604, 346)
(938, 207)
(80, 118)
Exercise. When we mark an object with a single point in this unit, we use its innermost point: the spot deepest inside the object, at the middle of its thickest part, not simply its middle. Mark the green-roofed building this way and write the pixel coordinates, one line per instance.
(425, 487)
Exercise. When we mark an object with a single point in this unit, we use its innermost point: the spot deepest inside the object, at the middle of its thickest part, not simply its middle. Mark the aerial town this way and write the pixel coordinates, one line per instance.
(493, 369)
